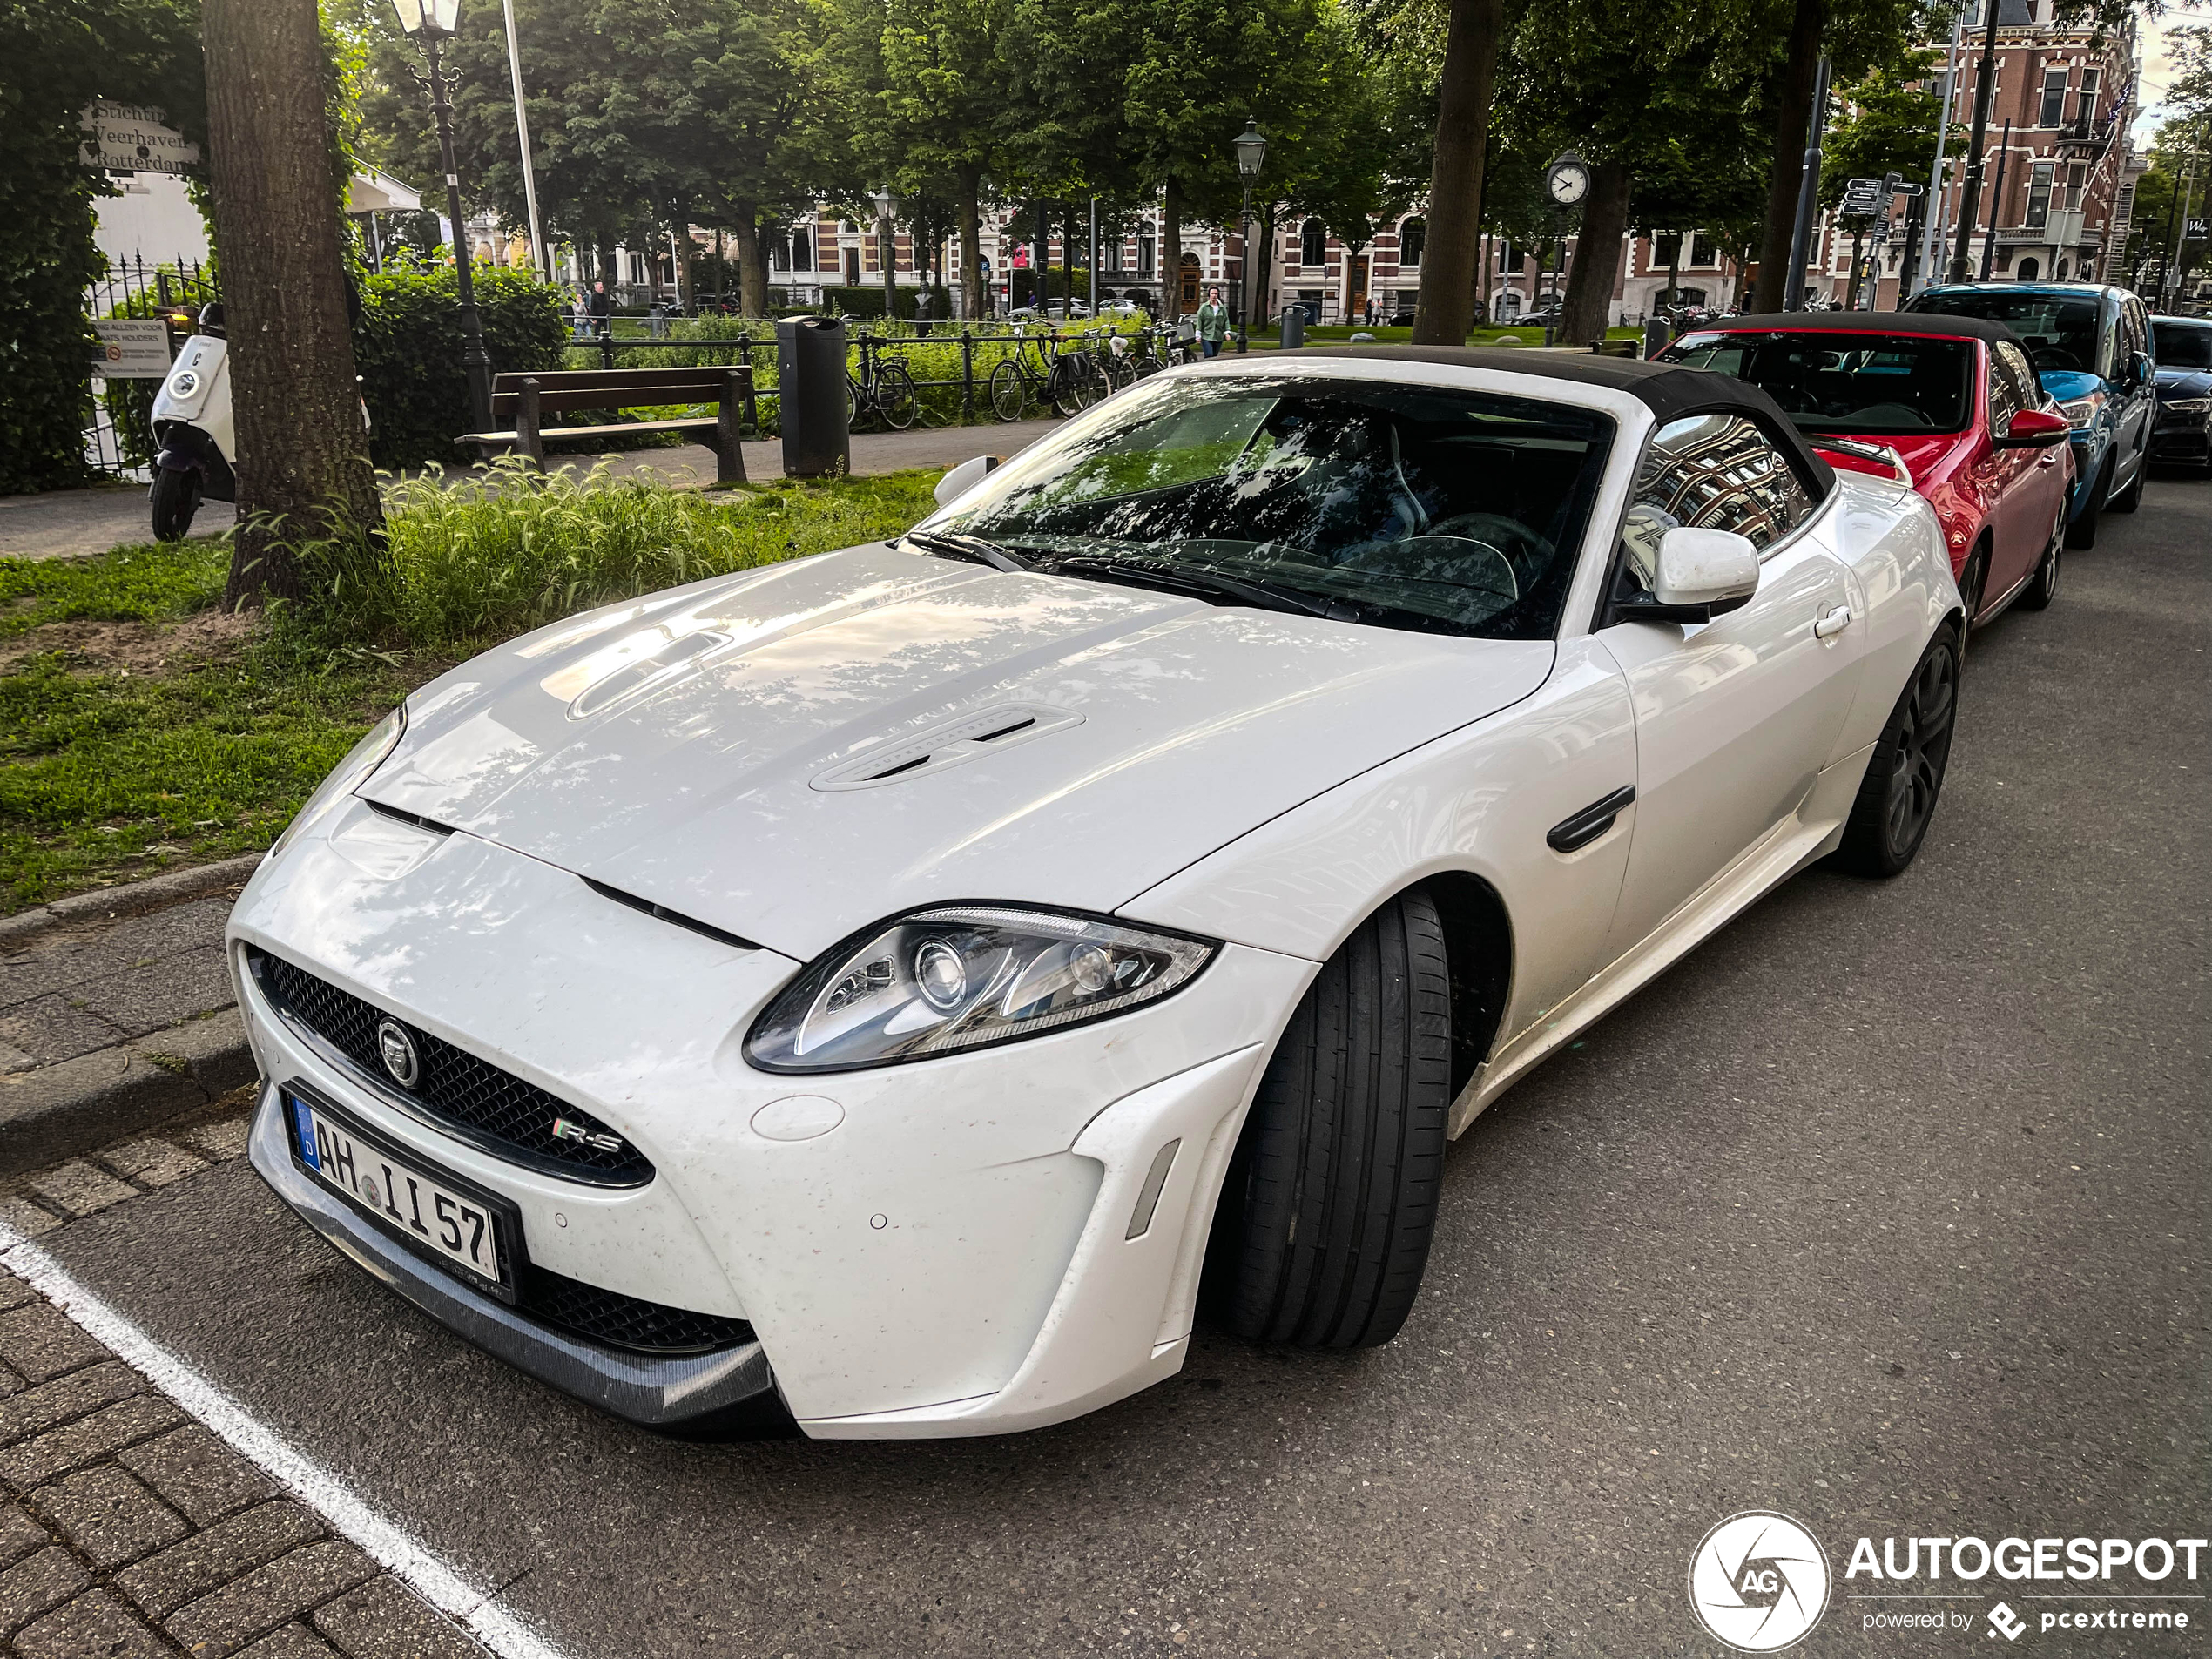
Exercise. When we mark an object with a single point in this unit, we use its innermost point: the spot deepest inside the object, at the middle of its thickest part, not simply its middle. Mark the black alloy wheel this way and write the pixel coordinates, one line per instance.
(2043, 586)
(1896, 797)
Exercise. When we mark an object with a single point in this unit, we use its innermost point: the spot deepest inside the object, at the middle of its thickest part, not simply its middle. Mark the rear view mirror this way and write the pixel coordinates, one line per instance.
(1713, 568)
(2034, 430)
(963, 478)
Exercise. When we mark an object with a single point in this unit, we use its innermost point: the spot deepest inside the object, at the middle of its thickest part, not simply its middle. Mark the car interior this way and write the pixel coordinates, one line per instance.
(1847, 383)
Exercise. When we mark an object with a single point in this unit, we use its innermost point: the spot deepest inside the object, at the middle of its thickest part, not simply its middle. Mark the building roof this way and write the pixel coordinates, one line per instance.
(1863, 322)
(1669, 390)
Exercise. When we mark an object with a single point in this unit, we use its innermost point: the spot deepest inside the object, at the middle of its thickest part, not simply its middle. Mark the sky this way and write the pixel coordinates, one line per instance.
(2157, 64)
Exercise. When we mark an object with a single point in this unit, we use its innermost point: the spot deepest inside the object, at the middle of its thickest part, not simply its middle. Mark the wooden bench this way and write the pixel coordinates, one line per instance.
(526, 399)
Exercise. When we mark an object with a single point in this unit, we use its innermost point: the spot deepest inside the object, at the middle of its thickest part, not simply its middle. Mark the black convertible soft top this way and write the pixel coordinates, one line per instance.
(1669, 390)
(1941, 324)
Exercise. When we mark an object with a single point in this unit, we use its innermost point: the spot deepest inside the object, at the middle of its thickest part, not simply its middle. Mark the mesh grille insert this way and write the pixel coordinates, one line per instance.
(620, 1321)
(484, 1105)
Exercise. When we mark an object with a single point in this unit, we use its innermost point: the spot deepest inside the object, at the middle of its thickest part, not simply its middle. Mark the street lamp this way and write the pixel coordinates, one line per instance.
(886, 234)
(432, 21)
(1251, 150)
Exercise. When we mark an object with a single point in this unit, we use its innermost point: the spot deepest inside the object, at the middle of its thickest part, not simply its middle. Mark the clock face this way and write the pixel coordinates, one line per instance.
(1568, 183)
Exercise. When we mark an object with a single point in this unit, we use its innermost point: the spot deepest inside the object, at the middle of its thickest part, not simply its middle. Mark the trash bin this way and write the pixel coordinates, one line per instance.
(809, 378)
(1293, 328)
(1657, 334)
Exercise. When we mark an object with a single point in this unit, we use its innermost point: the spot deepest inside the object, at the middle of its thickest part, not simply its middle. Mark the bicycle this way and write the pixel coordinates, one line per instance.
(883, 388)
(1068, 379)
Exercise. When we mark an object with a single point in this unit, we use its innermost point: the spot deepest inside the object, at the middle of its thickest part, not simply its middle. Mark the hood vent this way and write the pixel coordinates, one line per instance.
(665, 914)
(948, 746)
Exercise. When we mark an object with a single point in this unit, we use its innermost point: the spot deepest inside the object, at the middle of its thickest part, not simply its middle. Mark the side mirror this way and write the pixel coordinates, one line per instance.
(1701, 575)
(2034, 430)
(963, 478)
(2142, 368)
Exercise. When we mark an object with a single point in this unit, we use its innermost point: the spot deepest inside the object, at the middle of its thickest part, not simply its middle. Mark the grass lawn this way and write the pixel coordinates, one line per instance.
(142, 728)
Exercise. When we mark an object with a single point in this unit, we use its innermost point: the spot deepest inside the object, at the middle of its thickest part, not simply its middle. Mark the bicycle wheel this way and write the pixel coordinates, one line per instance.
(1009, 390)
(1070, 388)
(894, 396)
(854, 401)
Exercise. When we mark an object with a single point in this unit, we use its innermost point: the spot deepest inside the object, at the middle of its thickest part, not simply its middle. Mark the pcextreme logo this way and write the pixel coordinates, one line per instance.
(1758, 1581)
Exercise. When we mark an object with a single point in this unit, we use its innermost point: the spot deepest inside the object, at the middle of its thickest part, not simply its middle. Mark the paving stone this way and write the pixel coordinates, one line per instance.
(219, 1141)
(386, 1620)
(199, 1474)
(207, 1560)
(87, 1439)
(109, 1516)
(294, 1641)
(26, 1219)
(38, 1585)
(77, 1188)
(151, 1161)
(13, 1292)
(13, 1059)
(50, 1030)
(19, 1533)
(139, 999)
(83, 956)
(94, 1625)
(41, 1343)
(38, 1409)
(221, 1624)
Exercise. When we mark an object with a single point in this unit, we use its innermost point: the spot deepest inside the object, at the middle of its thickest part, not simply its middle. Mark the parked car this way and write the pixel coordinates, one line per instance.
(1954, 401)
(2092, 346)
(1122, 308)
(887, 989)
(2184, 432)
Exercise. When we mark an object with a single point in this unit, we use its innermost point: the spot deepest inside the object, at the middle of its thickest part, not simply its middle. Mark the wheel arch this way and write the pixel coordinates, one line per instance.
(1478, 950)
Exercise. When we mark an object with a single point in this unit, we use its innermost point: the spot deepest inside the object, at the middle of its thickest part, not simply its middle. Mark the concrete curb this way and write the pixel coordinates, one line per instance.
(60, 1111)
(134, 898)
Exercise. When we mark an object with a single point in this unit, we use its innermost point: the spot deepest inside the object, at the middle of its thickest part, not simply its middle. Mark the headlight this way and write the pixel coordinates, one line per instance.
(360, 761)
(2190, 405)
(2083, 411)
(965, 976)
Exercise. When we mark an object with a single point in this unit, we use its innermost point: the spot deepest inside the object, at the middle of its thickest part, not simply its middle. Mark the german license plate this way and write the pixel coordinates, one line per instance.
(457, 1227)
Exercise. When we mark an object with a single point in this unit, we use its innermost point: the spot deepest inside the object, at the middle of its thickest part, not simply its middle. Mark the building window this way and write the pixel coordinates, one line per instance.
(802, 248)
(1144, 247)
(1411, 235)
(2084, 102)
(1312, 243)
(2039, 194)
(2028, 270)
(2075, 173)
(2055, 80)
(1700, 250)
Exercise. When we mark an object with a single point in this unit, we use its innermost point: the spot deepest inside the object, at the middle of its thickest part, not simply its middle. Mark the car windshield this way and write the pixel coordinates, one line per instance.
(2060, 330)
(1401, 506)
(1835, 382)
(2180, 345)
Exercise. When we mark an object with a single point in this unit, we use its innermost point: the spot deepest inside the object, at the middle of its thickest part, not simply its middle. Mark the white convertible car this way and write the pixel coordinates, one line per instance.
(893, 990)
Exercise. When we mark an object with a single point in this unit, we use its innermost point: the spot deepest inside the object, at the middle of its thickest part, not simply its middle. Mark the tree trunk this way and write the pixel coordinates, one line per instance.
(1792, 121)
(303, 468)
(970, 184)
(1584, 312)
(1446, 308)
(685, 247)
(752, 261)
(1171, 250)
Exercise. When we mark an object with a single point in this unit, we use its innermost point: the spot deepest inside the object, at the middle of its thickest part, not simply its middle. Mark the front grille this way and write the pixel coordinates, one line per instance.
(619, 1321)
(475, 1100)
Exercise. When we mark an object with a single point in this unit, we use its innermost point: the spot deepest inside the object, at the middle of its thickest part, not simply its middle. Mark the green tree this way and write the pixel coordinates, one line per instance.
(1889, 125)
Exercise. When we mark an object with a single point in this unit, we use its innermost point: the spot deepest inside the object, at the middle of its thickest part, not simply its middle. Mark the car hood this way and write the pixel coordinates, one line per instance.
(791, 754)
(2064, 385)
(2184, 382)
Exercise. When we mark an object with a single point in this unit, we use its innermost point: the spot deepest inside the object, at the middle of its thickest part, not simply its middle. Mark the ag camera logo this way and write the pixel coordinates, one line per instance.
(1758, 1581)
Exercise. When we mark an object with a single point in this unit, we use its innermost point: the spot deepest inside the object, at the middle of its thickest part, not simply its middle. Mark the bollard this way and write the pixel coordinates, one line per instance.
(1293, 327)
(810, 377)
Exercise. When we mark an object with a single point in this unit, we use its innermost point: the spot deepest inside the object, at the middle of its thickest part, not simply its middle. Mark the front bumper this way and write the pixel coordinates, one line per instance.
(2181, 440)
(954, 1255)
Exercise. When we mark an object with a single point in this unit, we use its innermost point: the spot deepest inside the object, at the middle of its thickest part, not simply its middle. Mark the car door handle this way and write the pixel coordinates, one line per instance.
(1592, 821)
(1834, 623)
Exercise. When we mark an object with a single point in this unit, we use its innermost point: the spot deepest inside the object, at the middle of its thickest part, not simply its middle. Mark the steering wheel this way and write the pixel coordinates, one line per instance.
(1529, 553)
(1460, 561)
(2054, 357)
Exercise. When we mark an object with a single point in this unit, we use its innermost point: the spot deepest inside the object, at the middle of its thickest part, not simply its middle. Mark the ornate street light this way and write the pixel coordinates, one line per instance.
(1251, 151)
(431, 22)
(887, 207)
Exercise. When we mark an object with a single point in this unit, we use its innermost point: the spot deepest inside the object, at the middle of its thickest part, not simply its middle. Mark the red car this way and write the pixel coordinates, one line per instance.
(1953, 403)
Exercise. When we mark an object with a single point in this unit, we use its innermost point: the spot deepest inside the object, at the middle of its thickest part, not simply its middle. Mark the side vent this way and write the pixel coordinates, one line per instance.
(948, 746)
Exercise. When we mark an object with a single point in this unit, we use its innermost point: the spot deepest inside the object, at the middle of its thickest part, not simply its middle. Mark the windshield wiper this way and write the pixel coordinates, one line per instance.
(974, 549)
(1183, 579)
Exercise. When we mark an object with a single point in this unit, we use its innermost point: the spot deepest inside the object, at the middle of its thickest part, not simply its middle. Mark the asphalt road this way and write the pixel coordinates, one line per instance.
(1887, 1209)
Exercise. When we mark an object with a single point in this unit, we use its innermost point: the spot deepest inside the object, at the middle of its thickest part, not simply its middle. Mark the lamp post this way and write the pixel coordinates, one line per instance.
(1251, 150)
(886, 247)
(432, 21)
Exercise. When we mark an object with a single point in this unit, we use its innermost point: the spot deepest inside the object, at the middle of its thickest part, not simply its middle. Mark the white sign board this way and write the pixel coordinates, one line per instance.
(131, 348)
(129, 138)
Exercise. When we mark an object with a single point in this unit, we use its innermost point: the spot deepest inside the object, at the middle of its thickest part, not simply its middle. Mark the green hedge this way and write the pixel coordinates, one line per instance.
(867, 301)
(407, 348)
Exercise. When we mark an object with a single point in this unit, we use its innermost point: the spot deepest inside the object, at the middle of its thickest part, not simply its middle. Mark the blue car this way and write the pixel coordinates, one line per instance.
(2092, 348)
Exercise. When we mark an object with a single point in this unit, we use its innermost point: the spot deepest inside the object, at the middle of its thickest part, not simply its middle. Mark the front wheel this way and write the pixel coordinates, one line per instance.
(2043, 586)
(1323, 1232)
(1009, 391)
(1897, 799)
(176, 498)
(894, 396)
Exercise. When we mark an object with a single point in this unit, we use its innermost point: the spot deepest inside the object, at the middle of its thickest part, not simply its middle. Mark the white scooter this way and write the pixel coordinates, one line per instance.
(192, 431)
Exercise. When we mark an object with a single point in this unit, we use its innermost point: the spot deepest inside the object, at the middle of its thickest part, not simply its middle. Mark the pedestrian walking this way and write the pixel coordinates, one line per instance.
(601, 309)
(1213, 323)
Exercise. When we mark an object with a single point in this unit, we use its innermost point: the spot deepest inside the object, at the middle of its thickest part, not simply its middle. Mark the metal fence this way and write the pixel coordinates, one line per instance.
(136, 286)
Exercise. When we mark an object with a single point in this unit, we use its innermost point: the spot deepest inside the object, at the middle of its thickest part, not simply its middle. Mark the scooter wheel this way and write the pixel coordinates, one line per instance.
(176, 498)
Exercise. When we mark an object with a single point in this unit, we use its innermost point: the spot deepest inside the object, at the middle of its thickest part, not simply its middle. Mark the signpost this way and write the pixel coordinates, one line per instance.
(131, 348)
(131, 138)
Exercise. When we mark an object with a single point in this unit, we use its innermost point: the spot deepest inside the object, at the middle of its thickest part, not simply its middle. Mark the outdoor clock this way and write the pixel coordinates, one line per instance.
(1566, 180)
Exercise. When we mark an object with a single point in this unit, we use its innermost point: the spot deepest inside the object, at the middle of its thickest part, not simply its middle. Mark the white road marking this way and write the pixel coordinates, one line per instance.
(406, 1559)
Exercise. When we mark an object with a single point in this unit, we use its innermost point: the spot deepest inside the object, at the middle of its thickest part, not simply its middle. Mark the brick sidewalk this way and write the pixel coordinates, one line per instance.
(129, 1530)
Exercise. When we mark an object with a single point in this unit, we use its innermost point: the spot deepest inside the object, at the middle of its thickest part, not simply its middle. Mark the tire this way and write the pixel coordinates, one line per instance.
(1326, 1213)
(176, 498)
(1897, 799)
(2082, 533)
(1073, 384)
(1009, 391)
(895, 399)
(851, 405)
(2132, 497)
(2043, 586)
(1973, 580)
